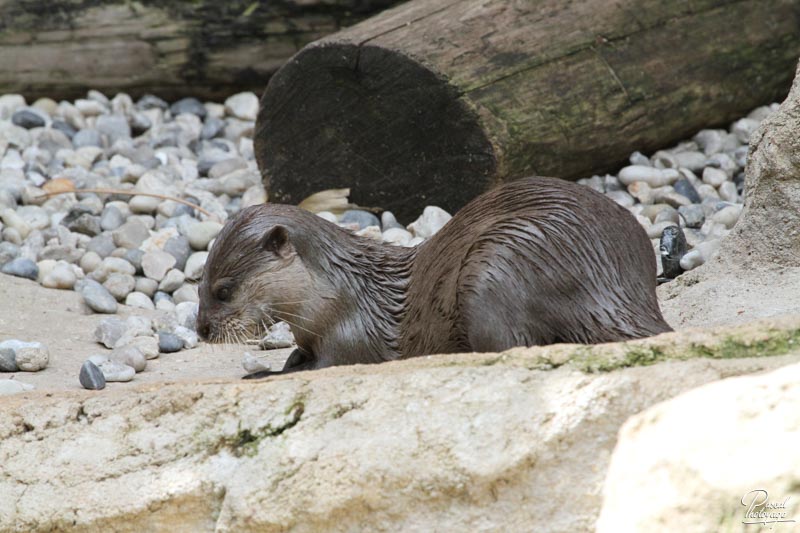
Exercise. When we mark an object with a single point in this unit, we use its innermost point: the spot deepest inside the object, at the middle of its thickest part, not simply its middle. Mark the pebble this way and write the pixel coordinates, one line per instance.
(186, 314)
(432, 220)
(172, 281)
(201, 233)
(157, 263)
(111, 218)
(62, 276)
(130, 356)
(654, 177)
(147, 345)
(12, 386)
(140, 301)
(361, 219)
(693, 215)
(278, 336)
(242, 105)
(180, 249)
(8, 360)
(714, 176)
(187, 293)
(21, 268)
(727, 216)
(120, 285)
(146, 286)
(131, 234)
(109, 331)
(397, 236)
(115, 371)
(188, 105)
(194, 265)
(327, 215)
(25, 118)
(672, 247)
(388, 221)
(169, 342)
(188, 336)
(621, 197)
(251, 364)
(685, 188)
(8, 252)
(97, 297)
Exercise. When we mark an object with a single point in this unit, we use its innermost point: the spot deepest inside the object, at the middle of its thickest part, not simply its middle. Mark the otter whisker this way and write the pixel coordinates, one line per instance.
(301, 327)
(294, 315)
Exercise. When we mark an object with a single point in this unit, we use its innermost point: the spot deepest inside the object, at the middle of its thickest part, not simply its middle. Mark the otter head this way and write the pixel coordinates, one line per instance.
(252, 275)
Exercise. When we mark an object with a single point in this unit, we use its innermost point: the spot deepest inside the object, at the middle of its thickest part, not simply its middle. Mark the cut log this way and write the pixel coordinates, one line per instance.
(176, 48)
(433, 101)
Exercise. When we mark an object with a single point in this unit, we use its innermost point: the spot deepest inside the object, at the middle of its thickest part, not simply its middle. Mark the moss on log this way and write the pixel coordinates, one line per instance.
(434, 101)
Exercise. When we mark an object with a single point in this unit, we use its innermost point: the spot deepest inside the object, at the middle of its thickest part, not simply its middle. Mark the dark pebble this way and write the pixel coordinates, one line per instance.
(22, 268)
(179, 248)
(64, 128)
(685, 188)
(169, 342)
(86, 224)
(8, 360)
(91, 377)
(188, 105)
(25, 118)
(362, 218)
(672, 247)
(149, 101)
(738, 179)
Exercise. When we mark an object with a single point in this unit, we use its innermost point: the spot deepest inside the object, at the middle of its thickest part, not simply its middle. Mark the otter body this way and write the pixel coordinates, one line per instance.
(536, 261)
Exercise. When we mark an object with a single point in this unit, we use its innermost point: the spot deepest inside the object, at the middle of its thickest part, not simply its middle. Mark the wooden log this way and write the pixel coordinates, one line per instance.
(173, 48)
(433, 101)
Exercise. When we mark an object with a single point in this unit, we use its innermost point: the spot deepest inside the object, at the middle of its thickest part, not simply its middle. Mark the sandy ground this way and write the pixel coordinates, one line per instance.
(60, 320)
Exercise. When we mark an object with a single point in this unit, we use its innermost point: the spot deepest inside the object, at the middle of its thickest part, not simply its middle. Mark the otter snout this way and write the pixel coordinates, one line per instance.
(203, 326)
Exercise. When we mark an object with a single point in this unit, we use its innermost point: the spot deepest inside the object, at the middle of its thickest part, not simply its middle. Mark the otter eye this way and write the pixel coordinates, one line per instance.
(223, 294)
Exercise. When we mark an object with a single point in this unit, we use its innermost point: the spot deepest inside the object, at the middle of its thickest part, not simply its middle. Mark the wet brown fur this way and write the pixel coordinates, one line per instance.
(536, 261)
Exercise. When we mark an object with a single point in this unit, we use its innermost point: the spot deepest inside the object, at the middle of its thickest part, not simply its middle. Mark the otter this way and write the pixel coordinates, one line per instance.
(532, 262)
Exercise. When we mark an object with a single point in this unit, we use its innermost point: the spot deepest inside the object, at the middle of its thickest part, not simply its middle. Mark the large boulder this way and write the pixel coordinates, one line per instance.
(513, 441)
(712, 459)
(756, 272)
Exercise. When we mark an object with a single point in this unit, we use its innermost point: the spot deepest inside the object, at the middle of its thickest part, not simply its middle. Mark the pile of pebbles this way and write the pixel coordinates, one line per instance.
(148, 252)
(695, 188)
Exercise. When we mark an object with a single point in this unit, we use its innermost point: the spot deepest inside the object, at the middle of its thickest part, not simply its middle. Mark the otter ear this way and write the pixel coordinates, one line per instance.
(277, 241)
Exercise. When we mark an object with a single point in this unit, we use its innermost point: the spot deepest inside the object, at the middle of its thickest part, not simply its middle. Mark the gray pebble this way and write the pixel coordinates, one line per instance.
(279, 336)
(8, 360)
(362, 218)
(96, 296)
(194, 265)
(146, 286)
(64, 128)
(87, 137)
(21, 268)
(91, 377)
(140, 301)
(119, 285)
(172, 281)
(114, 371)
(111, 218)
(102, 245)
(114, 127)
(188, 105)
(156, 263)
(25, 118)
(134, 257)
(388, 221)
(188, 336)
(179, 248)
(148, 101)
(186, 314)
(130, 356)
(169, 342)
(161, 295)
(109, 331)
(212, 127)
(131, 234)
(187, 293)
(685, 188)
(8, 252)
(86, 224)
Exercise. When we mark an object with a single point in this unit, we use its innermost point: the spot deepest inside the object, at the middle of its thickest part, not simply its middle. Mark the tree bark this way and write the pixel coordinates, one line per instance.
(434, 101)
(172, 48)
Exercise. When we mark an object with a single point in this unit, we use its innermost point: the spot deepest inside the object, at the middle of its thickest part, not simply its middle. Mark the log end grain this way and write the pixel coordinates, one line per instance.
(376, 121)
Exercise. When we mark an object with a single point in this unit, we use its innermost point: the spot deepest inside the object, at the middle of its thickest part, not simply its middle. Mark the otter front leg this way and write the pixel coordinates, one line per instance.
(298, 360)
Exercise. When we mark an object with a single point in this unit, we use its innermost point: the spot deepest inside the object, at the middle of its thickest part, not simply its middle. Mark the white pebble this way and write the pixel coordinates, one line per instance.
(655, 177)
(432, 220)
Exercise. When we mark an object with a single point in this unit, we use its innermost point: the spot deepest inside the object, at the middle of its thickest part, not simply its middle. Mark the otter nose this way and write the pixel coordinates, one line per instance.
(203, 329)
